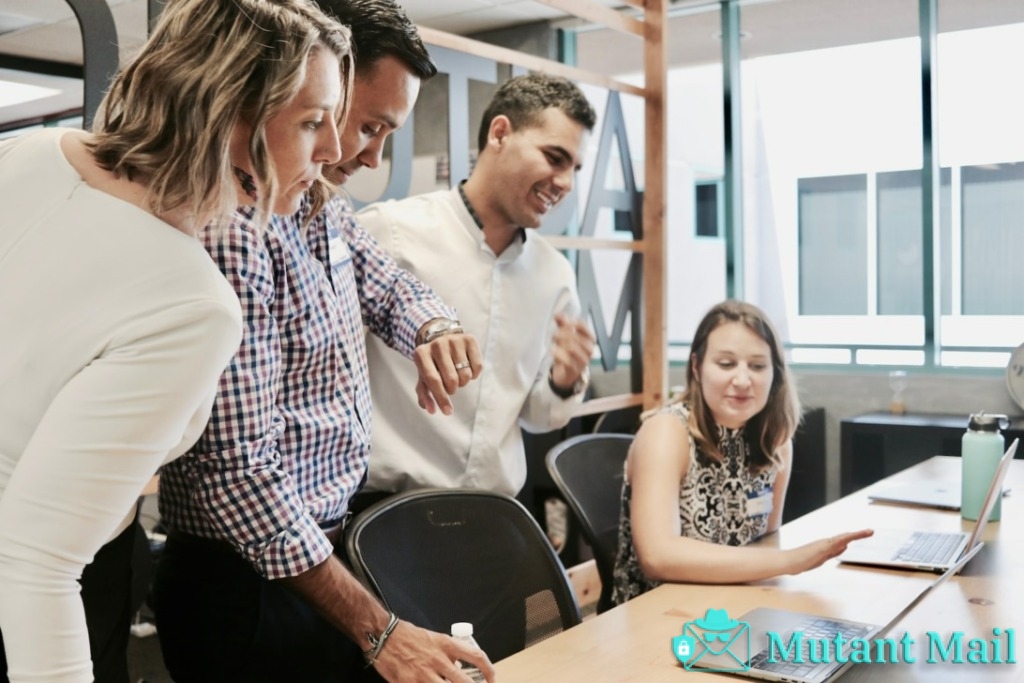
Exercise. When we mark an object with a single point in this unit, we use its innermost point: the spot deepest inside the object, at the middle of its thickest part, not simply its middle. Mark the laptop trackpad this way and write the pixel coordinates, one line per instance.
(883, 545)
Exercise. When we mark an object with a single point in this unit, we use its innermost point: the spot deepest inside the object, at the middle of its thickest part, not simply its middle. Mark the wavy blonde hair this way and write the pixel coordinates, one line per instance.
(168, 117)
(777, 422)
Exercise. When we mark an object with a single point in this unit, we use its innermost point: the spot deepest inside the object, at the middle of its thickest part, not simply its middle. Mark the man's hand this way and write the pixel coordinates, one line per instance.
(413, 654)
(445, 364)
(571, 350)
(410, 654)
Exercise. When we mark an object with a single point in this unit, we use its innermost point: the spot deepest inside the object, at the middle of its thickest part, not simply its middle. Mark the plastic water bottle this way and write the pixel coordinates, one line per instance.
(981, 450)
(463, 631)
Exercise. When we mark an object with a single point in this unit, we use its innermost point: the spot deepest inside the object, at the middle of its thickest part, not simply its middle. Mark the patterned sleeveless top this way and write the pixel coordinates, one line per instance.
(712, 505)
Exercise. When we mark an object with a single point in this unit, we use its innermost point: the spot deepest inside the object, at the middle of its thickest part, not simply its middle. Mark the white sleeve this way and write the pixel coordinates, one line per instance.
(98, 443)
(544, 410)
(375, 219)
(7, 146)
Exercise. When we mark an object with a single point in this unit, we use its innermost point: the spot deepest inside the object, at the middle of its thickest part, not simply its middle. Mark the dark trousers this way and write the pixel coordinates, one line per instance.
(219, 620)
(107, 599)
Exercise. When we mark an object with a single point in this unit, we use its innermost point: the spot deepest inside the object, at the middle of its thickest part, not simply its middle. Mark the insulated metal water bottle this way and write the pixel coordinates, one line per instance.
(981, 449)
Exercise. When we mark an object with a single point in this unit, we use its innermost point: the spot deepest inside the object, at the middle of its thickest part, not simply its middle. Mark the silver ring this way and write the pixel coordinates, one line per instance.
(462, 366)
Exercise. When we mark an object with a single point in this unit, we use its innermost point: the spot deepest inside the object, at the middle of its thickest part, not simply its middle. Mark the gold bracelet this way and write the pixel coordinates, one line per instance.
(378, 643)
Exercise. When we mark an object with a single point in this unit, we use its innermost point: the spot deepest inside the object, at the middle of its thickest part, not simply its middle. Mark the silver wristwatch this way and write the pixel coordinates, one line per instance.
(438, 328)
(578, 386)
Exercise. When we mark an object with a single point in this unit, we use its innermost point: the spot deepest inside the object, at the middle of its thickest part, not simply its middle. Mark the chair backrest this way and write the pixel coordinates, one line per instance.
(587, 469)
(439, 556)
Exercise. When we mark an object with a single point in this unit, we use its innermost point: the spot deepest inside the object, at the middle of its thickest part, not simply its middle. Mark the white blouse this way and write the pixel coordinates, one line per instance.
(114, 329)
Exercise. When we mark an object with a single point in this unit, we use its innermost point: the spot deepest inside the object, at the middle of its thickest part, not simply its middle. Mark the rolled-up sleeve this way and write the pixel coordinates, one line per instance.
(395, 303)
(234, 479)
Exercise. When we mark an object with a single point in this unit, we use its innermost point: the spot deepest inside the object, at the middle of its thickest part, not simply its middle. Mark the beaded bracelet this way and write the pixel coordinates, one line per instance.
(378, 643)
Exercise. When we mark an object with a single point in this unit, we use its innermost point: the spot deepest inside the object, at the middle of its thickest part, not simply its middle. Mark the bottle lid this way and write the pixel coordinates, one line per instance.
(987, 422)
(462, 629)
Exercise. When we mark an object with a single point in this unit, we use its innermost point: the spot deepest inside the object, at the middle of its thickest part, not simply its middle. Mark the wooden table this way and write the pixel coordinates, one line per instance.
(632, 643)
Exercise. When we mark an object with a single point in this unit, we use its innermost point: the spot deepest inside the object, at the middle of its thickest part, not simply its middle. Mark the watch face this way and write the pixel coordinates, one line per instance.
(439, 328)
(1015, 376)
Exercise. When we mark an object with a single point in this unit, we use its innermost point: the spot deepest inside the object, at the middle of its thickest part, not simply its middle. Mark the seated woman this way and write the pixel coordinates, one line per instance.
(709, 473)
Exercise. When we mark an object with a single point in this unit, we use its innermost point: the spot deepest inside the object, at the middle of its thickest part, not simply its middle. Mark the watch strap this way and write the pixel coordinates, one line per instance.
(568, 392)
(439, 327)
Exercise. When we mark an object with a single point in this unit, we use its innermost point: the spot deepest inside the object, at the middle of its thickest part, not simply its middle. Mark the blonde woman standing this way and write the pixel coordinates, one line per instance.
(115, 324)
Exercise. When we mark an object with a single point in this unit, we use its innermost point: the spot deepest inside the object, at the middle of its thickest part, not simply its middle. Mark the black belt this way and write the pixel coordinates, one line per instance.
(335, 530)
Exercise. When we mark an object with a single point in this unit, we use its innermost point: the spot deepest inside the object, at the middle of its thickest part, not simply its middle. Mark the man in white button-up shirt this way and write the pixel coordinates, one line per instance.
(511, 289)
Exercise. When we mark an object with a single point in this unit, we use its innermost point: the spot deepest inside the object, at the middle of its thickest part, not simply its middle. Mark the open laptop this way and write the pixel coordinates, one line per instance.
(776, 663)
(943, 495)
(927, 550)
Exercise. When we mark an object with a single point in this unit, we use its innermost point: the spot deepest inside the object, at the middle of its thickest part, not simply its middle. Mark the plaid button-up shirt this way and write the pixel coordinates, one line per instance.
(289, 436)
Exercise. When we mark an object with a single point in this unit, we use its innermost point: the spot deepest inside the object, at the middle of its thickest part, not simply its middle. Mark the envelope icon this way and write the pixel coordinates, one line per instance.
(720, 643)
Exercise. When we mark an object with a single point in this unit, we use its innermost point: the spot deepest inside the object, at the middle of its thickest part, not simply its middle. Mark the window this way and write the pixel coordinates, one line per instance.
(833, 234)
(900, 268)
(992, 239)
(833, 245)
(708, 202)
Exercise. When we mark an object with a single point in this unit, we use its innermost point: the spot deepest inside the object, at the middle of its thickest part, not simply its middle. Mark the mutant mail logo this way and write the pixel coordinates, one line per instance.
(716, 643)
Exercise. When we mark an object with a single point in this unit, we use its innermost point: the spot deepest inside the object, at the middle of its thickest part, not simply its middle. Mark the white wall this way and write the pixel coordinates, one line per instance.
(847, 394)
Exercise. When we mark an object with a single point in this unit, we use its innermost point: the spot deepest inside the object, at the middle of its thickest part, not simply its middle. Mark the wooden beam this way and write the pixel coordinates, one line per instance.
(586, 584)
(507, 56)
(599, 14)
(655, 335)
(596, 406)
(575, 242)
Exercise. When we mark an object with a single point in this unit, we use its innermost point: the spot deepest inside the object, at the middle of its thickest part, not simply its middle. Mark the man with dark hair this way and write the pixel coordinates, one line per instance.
(524, 101)
(391, 61)
(511, 288)
(248, 587)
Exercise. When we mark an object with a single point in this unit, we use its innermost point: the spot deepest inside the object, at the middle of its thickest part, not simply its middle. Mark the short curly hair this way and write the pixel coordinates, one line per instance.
(523, 98)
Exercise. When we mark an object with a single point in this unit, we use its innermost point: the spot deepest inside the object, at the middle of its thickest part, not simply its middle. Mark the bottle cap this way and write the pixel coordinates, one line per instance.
(462, 629)
(983, 422)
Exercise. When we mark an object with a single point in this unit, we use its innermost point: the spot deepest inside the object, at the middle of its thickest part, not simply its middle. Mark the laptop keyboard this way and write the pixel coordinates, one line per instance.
(928, 547)
(817, 630)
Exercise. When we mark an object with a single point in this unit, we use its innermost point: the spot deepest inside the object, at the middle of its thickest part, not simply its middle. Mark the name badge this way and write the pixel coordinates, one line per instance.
(338, 250)
(759, 503)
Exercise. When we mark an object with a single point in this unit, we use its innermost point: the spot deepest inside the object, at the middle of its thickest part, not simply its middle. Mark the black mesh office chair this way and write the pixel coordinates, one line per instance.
(440, 556)
(587, 469)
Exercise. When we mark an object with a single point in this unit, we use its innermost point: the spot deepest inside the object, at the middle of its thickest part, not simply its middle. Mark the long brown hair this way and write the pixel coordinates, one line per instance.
(168, 117)
(771, 428)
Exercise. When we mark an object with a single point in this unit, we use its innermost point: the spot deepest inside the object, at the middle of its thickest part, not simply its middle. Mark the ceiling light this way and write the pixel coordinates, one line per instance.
(12, 93)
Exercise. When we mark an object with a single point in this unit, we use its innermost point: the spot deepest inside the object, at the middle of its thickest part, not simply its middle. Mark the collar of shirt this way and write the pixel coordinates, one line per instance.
(476, 217)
